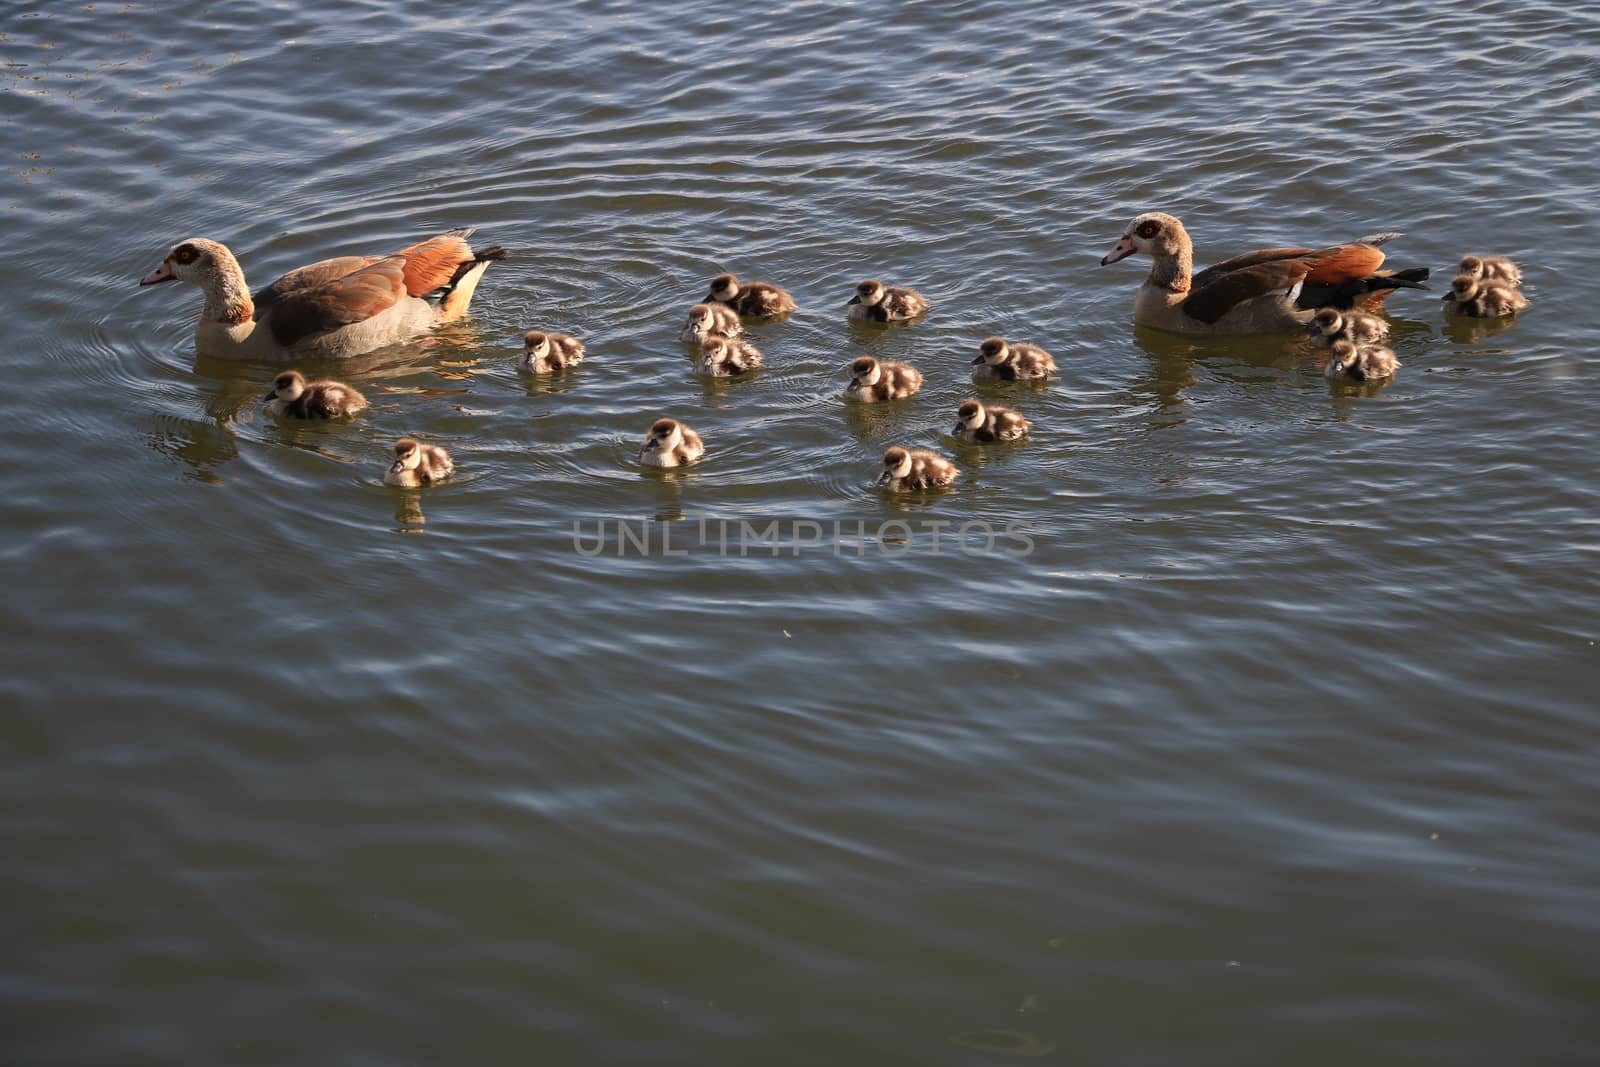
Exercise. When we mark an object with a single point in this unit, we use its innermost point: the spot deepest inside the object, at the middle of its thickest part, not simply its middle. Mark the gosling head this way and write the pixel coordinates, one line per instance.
(994, 352)
(664, 434)
(969, 416)
(724, 287)
(287, 387)
(1472, 265)
(1464, 286)
(864, 371)
(407, 455)
(700, 316)
(869, 293)
(714, 350)
(896, 464)
(1327, 321)
(1341, 354)
(535, 345)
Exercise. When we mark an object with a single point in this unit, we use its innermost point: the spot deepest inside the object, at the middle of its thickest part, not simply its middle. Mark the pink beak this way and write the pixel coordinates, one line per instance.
(160, 274)
(1121, 250)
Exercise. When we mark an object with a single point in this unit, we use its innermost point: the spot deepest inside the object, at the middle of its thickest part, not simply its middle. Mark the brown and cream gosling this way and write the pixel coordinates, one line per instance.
(876, 302)
(908, 470)
(1366, 363)
(547, 353)
(873, 381)
(293, 396)
(721, 356)
(671, 444)
(977, 423)
(417, 464)
(1479, 299)
(756, 299)
(1492, 269)
(1363, 328)
(1003, 361)
(710, 320)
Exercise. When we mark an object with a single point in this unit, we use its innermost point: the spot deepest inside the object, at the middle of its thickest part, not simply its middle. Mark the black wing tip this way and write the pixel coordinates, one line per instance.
(481, 255)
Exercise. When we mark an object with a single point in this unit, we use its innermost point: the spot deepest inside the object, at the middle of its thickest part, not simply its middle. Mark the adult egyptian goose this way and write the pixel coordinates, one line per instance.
(1479, 299)
(1330, 324)
(670, 444)
(292, 396)
(908, 470)
(548, 353)
(338, 307)
(756, 299)
(979, 423)
(416, 464)
(1003, 361)
(710, 320)
(1363, 363)
(874, 381)
(876, 302)
(1267, 291)
(1491, 269)
(722, 356)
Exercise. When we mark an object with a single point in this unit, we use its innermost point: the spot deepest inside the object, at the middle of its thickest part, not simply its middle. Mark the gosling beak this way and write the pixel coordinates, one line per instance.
(882, 477)
(270, 394)
(709, 298)
(396, 467)
(160, 274)
(1121, 250)
(853, 300)
(978, 358)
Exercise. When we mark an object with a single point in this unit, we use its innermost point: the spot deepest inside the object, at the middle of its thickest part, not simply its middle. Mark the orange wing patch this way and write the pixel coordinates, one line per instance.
(1344, 263)
(354, 298)
(433, 263)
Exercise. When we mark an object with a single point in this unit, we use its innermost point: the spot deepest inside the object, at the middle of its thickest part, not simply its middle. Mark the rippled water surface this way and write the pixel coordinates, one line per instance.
(1263, 732)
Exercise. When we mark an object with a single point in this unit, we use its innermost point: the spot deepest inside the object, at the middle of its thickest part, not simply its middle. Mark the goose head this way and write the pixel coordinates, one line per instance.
(1155, 234)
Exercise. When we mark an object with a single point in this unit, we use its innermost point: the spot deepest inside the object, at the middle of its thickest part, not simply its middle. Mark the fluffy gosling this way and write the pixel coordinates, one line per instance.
(1362, 328)
(908, 470)
(670, 444)
(1492, 269)
(547, 353)
(720, 357)
(756, 299)
(1367, 363)
(873, 381)
(1003, 361)
(1479, 299)
(876, 302)
(710, 320)
(416, 464)
(977, 423)
(297, 398)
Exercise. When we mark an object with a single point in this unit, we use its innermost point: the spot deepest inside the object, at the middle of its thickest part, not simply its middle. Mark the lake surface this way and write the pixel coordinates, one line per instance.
(1235, 718)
